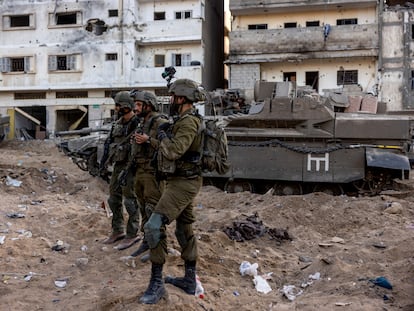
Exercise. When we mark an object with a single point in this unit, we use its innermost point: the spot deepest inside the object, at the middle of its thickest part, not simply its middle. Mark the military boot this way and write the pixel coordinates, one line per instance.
(156, 289)
(188, 282)
(141, 249)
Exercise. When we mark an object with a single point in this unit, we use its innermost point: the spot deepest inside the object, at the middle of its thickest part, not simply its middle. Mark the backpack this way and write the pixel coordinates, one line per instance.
(215, 150)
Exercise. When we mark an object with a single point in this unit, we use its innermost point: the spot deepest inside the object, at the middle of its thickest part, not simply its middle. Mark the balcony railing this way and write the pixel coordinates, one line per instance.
(354, 39)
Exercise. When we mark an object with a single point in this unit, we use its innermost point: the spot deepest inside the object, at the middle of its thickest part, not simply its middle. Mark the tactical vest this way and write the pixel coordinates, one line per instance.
(120, 135)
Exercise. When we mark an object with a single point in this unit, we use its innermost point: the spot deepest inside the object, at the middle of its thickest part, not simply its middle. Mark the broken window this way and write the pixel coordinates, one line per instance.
(159, 16)
(65, 18)
(183, 15)
(291, 25)
(11, 22)
(345, 77)
(159, 60)
(74, 94)
(347, 21)
(181, 59)
(63, 62)
(20, 21)
(257, 26)
(15, 64)
(312, 24)
(112, 13)
(111, 56)
(30, 95)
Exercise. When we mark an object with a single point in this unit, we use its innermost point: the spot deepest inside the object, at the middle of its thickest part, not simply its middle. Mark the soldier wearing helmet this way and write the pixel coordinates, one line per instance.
(119, 147)
(179, 164)
(144, 145)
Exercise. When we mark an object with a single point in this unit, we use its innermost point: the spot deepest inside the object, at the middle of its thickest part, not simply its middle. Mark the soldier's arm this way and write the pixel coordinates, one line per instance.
(173, 148)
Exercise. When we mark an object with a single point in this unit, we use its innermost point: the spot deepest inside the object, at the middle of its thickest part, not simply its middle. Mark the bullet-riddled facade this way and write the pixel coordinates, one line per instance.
(60, 61)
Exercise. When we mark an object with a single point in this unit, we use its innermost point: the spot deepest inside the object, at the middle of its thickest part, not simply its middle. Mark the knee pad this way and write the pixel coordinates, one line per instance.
(152, 229)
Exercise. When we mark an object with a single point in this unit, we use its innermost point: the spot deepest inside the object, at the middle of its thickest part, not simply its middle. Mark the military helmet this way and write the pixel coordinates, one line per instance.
(188, 88)
(124, 100)
(146, 97)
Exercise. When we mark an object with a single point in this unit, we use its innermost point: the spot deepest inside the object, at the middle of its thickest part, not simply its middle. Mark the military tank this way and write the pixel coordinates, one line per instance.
(85, 147)
(293, 143)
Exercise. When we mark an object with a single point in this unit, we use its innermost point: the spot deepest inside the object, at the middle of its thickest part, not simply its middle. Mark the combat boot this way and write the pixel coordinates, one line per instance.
(156, 289)
(188, 282)
(141, 249)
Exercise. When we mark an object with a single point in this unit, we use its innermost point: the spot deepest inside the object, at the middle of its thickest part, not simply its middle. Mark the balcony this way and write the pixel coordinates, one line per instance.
(303, 43)
(248, 7)
(170, 31)
(151, 76)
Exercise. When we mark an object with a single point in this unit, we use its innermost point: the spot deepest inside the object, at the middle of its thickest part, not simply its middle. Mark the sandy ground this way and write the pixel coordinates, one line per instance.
(52, 258)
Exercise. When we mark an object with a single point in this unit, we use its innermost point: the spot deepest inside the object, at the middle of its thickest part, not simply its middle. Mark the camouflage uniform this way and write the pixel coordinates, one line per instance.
(119, 149)
(176, 202)
(178, 160)
(147, 187)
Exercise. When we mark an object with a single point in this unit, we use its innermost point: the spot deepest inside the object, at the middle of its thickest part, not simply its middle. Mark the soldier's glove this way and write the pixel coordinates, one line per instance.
(161, 135)
(164, 126)
(122, 178)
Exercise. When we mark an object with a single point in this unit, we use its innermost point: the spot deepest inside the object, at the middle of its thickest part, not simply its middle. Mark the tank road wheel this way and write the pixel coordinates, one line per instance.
(287, 188)
(331, 189)
(236, 185)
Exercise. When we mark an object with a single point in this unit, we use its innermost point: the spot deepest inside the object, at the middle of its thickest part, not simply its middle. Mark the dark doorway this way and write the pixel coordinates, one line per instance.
(312, 79)
(289, 76)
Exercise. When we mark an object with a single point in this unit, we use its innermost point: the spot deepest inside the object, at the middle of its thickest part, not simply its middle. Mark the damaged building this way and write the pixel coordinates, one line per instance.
(363, 46)
(62, 61)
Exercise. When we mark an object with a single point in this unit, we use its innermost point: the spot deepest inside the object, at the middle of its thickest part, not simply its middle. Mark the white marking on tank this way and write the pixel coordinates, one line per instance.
(318, 160)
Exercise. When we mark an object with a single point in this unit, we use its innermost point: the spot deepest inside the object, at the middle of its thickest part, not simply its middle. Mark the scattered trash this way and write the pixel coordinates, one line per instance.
(311, 278)
(59, 246)
(84, 248)
(261, 284)
(381, 281)
(199, 206)
(342, 304)
(2, 238)
(199, 291)
(248, 229)
(291, 292)
(173, 252)
(336, 239)
(28, 276)
(25, 233)
(246, 268)
(236, 293)
(15, 215)
(325, 244)
(12, 182)
(379, 245)
(61, 283)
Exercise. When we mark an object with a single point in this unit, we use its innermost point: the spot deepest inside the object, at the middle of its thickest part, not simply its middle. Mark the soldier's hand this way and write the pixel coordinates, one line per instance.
(163, 126)
(161, 135)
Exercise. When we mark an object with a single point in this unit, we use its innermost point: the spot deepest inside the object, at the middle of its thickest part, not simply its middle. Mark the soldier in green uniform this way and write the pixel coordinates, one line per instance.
(119, 196)
(144, 146)
(179, 164)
